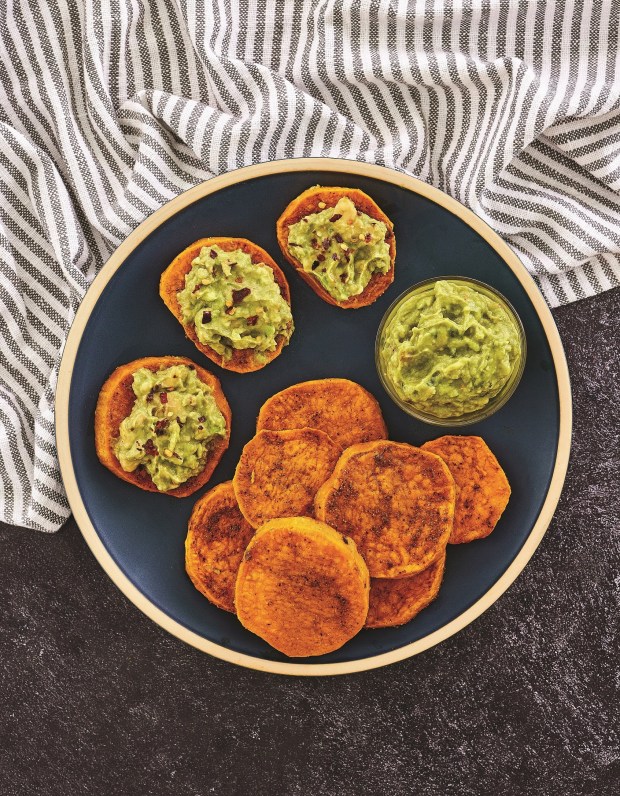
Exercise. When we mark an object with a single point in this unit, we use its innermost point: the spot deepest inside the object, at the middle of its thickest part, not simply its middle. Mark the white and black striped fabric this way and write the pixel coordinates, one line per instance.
(108, 108)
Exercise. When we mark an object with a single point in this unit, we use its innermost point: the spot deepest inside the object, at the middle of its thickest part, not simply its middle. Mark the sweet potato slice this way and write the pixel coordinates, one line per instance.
(482, 489)
(173, 280)
(115, 403)
(339, 407)
(306, 204)
(279, 473)
(216, 539)
(395, 501)
(302, 587)
(394, 601)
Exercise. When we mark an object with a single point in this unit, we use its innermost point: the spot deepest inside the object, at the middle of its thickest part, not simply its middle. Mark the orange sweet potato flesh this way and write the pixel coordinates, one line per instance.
(115, 403)
(173, 280)
(279, 473)
(482, 489)
(216, 539)
(395, 501)
(302, 587)
(395, 601)
(306, 204)
(341, 408)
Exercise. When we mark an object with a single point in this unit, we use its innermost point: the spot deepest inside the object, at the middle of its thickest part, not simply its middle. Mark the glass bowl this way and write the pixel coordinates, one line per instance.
(494, 403)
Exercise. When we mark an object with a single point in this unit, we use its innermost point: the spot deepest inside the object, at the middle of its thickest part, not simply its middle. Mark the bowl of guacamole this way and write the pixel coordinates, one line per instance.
(450, 351)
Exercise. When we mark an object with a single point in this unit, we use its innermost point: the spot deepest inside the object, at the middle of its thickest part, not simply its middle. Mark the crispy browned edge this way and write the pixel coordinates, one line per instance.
(115, 403)
(173, 280)
(265, 408)
(307, 203)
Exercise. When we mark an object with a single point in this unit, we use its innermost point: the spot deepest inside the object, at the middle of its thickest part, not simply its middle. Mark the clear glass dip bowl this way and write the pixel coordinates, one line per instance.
(495, 402)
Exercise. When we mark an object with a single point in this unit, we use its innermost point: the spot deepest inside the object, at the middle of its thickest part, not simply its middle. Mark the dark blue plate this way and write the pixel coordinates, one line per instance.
(143, 534)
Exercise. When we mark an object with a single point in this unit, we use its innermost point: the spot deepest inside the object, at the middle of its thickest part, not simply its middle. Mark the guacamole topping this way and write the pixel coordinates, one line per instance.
(173, 420)
(234, 304)
(449, 350)
(341, 247)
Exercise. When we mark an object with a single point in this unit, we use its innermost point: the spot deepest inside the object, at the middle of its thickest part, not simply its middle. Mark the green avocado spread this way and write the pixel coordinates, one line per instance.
(449, 350)
(173, 420)
(341, 247)
(234, 304)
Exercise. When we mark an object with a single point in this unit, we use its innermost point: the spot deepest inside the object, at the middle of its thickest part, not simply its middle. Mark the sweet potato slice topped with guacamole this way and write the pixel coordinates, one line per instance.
(482, 489)
(163, 424)
(394, 601)
(339, 407)
(216, 539)
(341, 243)
(232, 300)
(279, 473)
(302, 587)
(395, 501)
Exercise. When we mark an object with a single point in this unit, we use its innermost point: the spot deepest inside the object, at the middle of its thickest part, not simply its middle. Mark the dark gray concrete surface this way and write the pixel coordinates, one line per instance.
(96, 699)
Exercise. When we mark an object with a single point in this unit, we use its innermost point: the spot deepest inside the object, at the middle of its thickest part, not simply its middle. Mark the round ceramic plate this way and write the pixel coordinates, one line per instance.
(138, 536)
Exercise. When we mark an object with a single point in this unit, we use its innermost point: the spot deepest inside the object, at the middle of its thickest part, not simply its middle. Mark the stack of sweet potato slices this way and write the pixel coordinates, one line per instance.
(327, 526)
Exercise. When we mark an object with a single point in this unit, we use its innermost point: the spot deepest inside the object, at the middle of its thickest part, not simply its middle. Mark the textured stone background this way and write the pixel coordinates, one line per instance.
(96, 699)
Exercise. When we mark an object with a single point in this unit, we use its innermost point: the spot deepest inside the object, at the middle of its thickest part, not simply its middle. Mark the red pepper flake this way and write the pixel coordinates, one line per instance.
(313, 243)
(239, 295)
(343, 278)
(229, 310)
(196, 288)
(335, 257)
(239, 280)
(321, 258)
(161, 426)
(163, 397)
(338, 237)
(149, 397)
(206, 316)
(326, 243)
(202, 419)
(213, 254)
(252, 320)
(150, 449)
(368, 237)
(335, 217)
(388, 235)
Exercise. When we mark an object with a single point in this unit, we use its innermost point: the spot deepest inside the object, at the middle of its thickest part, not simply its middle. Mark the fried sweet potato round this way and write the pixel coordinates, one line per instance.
(115, 403)
(173, 280)
(482, 489)
(394, 601)
(306, 204)
(395, 501)
(339, 407)
(216, 539)
(302, 587)
(279, 473)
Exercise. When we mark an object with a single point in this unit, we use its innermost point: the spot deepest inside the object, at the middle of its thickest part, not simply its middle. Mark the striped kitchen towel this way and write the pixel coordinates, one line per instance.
(111, 107)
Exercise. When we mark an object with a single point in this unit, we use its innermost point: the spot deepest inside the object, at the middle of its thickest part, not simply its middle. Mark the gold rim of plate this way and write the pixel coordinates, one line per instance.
(118, 258)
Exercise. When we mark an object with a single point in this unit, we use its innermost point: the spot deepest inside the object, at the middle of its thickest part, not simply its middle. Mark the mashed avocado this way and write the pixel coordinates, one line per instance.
(449, 350)
(234, 303)
(173, 420)
(341, 247)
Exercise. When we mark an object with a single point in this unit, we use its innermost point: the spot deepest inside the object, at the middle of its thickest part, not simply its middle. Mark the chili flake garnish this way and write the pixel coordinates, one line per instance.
(239, 295)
